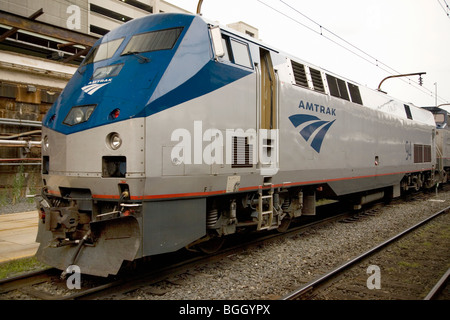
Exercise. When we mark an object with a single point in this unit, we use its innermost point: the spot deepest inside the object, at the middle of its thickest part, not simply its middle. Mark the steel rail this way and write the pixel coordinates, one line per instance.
(133, 281)
(154, 276)
(311, 285)
(25, 279)
(438, 287)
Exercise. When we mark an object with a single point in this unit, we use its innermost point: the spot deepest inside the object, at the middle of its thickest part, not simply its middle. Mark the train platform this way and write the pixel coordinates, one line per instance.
(18, 235)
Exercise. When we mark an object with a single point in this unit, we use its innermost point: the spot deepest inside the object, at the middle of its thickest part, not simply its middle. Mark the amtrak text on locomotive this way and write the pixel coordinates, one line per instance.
(317, 108)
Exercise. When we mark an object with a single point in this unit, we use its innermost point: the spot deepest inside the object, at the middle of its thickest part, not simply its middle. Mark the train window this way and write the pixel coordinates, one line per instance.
(104, 51)
(299, 74)
(408, 111)
(337, 87)
(226, 55)
(317, 80)
(241, 55)
(107, 72)
(236, 52)
(153, 41)
(355, 94)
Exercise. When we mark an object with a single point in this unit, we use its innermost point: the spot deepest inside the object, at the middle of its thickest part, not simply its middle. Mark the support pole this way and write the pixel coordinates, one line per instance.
(401, 75)
(199, 7)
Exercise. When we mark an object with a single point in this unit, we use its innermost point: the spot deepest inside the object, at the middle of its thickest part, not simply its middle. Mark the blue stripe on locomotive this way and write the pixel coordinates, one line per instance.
(141, 89)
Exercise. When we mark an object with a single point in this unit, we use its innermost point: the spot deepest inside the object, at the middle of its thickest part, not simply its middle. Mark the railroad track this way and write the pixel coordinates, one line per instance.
(157, 271)
(344, 282)
(48, 284)
(45, 284)
(439, 287)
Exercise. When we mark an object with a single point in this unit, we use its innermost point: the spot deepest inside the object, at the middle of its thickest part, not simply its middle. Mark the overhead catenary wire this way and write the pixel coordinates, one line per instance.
(367, 56)
(322, 34)
(447, 11)
(373, 61)
(341, 42)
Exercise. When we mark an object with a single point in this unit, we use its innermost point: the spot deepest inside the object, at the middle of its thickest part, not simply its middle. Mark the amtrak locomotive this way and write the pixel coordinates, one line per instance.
(175, 132)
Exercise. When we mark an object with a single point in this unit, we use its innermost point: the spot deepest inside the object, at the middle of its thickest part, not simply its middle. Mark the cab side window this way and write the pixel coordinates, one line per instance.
(236, 52)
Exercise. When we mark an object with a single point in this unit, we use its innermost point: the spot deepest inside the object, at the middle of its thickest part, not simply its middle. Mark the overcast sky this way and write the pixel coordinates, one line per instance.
(405, 35)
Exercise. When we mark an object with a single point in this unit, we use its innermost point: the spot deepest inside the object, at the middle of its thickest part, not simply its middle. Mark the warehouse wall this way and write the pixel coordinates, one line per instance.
(27, 103)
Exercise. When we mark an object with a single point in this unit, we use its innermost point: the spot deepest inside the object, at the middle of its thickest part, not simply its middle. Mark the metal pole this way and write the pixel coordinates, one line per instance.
(398, 76)
(20, 142)
(199, 7)
(435, 85)
(25, 123)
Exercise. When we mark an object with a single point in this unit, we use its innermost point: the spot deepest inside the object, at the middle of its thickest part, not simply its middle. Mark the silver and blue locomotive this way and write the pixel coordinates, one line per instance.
(176, 132)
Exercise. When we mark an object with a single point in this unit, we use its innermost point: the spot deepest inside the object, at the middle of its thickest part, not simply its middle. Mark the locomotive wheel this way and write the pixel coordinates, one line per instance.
(211, 246)
(285, 223)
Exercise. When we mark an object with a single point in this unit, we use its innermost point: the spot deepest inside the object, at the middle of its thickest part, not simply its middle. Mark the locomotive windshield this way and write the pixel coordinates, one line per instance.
(104, 51)
(153, 41)
(107, 72)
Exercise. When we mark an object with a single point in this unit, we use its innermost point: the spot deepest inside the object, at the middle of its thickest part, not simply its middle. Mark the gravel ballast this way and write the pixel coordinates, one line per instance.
(273, 270)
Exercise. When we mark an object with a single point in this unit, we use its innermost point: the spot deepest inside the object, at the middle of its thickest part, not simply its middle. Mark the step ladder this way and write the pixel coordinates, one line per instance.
(265, 218)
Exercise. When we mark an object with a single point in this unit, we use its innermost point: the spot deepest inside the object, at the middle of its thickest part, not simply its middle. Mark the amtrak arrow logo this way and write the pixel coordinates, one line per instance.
(91, 88)
(315, 125)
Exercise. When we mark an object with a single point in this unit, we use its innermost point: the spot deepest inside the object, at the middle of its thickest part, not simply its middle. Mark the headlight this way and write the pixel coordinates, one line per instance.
(113, 141)
(79, 114)
(45, 142)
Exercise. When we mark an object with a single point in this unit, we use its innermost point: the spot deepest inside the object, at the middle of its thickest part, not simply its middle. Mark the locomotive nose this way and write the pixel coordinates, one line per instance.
(96, 247)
